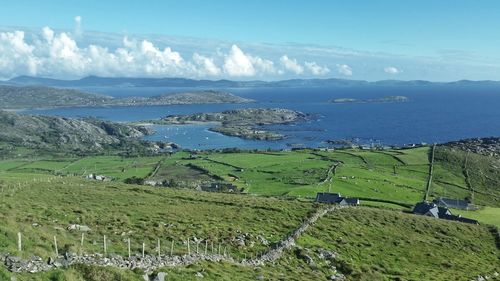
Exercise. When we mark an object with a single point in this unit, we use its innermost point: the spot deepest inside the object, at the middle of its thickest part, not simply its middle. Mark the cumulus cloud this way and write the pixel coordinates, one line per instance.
(237, 63)
(291, 65)
(344, 69)
(391, 70)
(206, 66)
(16, 56)
(316, 69)
(60, 55)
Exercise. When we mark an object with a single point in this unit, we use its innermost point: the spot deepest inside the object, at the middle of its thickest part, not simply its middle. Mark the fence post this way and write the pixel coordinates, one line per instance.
(55, 246)
(172, 248)
(189, 248)
(105, 248)
(197, 246)
(128, 242)
(159, 253)
(206, 246)
(19, 242)
(143, 246)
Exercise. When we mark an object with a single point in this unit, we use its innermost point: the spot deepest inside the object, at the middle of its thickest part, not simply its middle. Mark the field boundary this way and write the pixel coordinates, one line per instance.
(431, 171)
(149, 263)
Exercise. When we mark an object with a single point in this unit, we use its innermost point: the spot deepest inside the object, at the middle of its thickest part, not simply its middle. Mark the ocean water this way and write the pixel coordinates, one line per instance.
(435, 113)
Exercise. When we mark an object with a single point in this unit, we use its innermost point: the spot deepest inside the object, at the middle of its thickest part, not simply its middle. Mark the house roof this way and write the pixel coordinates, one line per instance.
(326, 197)
(451, 202)
(351, 201)
(443, 211)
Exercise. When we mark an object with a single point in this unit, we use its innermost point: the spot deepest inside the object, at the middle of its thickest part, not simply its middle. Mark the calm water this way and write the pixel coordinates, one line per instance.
(436, 113)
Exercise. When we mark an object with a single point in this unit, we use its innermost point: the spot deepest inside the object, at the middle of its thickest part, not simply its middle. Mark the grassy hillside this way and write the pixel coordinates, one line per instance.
(469, 175)
(412, 248)
(377, 244)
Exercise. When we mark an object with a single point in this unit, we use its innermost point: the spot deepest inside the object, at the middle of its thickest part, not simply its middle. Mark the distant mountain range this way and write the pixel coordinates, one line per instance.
(31, 97)
(93, 81)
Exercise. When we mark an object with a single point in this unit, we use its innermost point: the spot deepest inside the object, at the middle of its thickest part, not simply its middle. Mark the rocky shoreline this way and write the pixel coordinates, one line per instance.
(243, 123)
(485, 146)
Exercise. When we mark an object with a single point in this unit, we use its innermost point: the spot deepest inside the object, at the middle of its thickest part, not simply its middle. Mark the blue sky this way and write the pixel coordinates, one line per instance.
(433, 40)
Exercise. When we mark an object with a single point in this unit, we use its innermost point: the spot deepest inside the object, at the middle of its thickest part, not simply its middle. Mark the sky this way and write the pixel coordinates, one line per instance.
(270, 40)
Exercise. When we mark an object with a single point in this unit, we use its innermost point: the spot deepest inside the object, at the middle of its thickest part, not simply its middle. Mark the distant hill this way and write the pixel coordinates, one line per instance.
(197, 97)
(13, 97)
(61, 134)
(29, 97)
(184, 82)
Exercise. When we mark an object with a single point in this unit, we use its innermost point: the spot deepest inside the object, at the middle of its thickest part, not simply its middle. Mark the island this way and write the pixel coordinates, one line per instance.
(244, 123)
(35, 97)
(387, 99)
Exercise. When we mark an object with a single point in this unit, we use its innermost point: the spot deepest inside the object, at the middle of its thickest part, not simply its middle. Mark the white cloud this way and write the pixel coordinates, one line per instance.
(263, 66)
(316, 69)
(291, 65)
(60, 55)
(16, 56)
(207, 66)
(392, 70)
(237, 63)
(344, 69)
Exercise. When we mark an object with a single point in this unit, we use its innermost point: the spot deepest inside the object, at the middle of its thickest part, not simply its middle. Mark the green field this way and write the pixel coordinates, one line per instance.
(396, 177)
(412, 248)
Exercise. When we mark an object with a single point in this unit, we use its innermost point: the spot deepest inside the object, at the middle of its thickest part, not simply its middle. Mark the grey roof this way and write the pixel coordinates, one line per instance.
(454, 203)
(427, 209)
(431, 209)
(350, 201)
(326, 197)
(443, 211)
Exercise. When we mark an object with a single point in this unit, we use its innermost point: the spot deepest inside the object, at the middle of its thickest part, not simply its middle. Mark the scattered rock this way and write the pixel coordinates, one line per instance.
(160, 276)
(326, 255)
(199, 275)
(82, 228)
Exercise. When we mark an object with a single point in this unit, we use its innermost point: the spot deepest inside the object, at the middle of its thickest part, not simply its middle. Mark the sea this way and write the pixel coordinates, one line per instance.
(435, 113)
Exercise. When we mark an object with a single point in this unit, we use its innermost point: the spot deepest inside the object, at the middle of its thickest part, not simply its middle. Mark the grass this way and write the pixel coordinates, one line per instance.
(121, 211)
(483, 171)
(399, 176)
(412, 247)
(384, 245)
(488, 215)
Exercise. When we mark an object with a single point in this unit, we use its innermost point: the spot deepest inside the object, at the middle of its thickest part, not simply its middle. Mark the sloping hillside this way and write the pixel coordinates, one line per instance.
(63, 133)
(349, 244)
